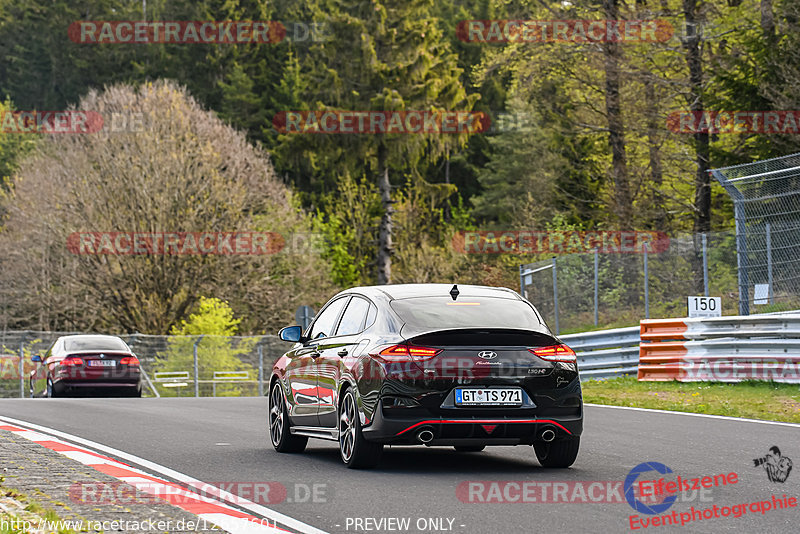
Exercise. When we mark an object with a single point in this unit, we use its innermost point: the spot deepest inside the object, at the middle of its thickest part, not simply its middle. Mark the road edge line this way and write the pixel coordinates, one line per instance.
(691, 414)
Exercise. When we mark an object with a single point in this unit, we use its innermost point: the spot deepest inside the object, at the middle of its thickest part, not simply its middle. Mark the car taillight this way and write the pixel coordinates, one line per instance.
(129, 360)
(67, 362)
(403, 352)
(555, 353)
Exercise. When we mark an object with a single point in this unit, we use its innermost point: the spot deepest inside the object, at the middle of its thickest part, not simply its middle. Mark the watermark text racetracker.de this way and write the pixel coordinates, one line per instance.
(559, 492)
(122, 493)
(15, 524)
(564, 31)
(559, 242)
(381, 122)
(50, 122)
(193, 243)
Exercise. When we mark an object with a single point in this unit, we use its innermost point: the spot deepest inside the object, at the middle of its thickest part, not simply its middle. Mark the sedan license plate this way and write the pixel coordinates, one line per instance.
(489, 397)
(102, 363)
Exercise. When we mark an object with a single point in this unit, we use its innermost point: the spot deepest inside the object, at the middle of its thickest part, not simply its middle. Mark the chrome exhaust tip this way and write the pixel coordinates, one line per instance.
(425, 435)
(547, 435)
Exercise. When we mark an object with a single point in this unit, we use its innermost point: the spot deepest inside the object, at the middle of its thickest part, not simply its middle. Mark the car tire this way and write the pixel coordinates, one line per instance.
(469, 448)
(279, 434)
(50, 393)
(560, 453)
(356, 451)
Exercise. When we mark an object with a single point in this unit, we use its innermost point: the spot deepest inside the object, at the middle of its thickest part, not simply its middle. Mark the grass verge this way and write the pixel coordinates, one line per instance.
(752, 399)
(18, 510)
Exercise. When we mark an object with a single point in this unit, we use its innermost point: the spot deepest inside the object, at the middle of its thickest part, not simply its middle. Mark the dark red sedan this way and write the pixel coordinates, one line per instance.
(86, 365)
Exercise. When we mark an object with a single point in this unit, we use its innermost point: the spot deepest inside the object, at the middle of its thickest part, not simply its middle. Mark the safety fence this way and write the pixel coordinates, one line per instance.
(766, 208)
(579, 291)
(721, 349)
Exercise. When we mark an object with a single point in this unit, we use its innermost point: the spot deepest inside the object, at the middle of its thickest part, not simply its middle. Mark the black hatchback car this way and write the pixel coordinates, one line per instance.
(432, 364)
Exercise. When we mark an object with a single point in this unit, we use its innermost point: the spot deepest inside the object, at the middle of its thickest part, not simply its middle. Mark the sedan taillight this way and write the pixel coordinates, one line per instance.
(71, 362)
(403, 352)
(129, 360)
(555, 353)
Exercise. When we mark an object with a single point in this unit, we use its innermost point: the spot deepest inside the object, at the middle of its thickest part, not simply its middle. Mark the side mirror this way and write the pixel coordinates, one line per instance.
(36, 358)
(291, 333)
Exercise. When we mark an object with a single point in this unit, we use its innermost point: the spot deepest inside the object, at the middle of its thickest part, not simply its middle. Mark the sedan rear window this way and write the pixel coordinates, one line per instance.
(466, 312)
(94, 343)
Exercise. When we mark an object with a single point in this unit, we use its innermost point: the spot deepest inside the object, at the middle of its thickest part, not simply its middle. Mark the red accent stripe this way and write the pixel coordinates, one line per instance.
(115, 471)
(11, 428)
(480, 421)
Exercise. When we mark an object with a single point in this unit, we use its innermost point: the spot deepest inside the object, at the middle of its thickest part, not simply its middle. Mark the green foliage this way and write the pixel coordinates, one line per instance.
(210, 328)
(349, 220)
(13, 148)
(213, 317)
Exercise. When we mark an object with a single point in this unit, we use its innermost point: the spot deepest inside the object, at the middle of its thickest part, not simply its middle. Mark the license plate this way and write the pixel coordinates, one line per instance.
(102, 363)
(489, 397)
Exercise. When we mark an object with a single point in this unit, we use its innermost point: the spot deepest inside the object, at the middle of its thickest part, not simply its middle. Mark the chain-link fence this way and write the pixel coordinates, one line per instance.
(175, 366)
(766, 198)
(579, 292)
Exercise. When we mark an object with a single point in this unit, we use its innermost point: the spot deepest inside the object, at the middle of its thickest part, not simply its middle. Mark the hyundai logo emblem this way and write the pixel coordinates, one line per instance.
(487, 355)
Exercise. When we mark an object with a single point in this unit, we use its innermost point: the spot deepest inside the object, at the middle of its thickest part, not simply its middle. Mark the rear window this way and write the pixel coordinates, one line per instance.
(94, 343)
(466, 312)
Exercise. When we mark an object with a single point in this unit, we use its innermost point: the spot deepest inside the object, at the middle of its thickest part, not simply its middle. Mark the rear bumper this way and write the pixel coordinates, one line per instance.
(460, 430)
(74, 386)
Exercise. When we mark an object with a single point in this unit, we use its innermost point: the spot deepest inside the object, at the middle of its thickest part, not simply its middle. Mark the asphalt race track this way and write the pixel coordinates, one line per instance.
(225, 440)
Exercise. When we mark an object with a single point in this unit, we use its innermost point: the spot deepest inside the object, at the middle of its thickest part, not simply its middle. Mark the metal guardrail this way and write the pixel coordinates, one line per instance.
(606, 353)
(721, 349)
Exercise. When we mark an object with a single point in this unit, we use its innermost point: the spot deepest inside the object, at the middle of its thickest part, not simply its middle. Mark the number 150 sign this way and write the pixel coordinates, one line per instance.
(705, 306)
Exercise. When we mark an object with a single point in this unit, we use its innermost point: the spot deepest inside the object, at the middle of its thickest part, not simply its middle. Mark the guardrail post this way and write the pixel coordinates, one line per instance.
(555, 294)
(196, 373)
(646, 284)
(21, 370)
(260, 369)
(596, 284)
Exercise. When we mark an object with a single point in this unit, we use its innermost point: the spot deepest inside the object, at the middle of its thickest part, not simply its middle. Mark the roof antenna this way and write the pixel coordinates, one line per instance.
(454, 292)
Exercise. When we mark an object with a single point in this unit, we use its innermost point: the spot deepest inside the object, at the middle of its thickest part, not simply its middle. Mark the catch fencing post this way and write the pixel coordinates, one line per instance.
(769, 265)
(261, 369)
(555, 294)
(596, 283)
(196, 373)
(646, 284)
(705, 264)
(21, 369)
(740, 219)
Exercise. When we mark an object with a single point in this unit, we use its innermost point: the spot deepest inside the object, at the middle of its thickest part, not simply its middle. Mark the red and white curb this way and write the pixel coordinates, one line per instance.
(207, 509)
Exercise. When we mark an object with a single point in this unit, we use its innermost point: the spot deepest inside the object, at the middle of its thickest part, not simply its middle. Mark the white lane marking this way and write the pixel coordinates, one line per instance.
(180, 477)
(724, 417)
(87, 459)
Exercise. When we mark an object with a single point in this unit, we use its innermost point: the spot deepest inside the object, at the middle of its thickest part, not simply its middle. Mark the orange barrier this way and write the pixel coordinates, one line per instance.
(660, 359)
(730, 349)
(661, 329)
